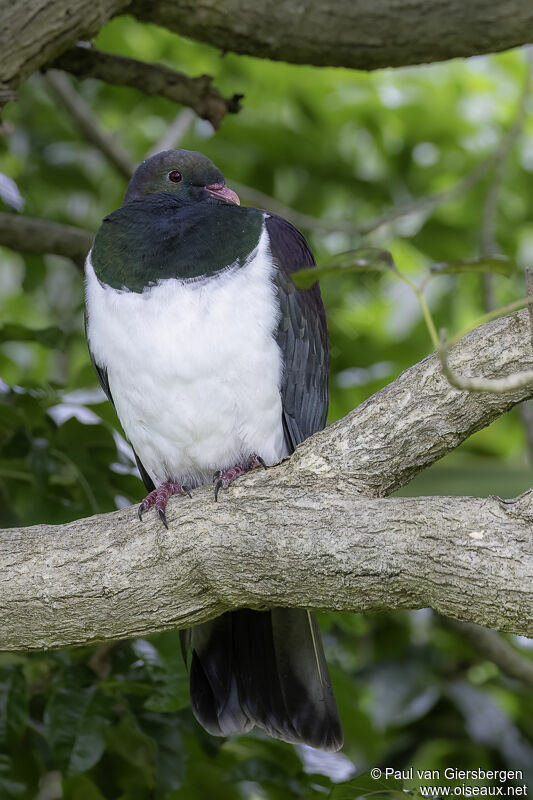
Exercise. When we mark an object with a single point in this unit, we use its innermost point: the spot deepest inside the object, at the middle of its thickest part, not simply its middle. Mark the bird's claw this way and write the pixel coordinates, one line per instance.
(223, 477)
(159, 498)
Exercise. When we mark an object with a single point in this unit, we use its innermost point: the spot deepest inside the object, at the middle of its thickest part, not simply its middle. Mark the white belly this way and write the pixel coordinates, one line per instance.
(193, 369)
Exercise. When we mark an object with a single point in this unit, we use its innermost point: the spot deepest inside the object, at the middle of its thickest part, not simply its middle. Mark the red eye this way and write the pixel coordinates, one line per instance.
(175, 176)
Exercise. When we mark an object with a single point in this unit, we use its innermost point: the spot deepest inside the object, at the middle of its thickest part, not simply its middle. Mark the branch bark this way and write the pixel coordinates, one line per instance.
(365, 34)
(312, 531)
(269, 542)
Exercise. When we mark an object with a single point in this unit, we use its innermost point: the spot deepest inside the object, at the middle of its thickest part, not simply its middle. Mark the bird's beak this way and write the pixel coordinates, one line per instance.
(222, 192)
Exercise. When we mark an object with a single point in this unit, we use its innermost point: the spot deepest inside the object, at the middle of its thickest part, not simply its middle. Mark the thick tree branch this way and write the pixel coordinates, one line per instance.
(365, 34)
(270, 541)
(197, 93)
(303, 533)
(31, 235)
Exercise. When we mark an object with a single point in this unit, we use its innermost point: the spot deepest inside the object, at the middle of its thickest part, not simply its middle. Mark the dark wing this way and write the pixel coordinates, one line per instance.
(302, 336)
(101, 374)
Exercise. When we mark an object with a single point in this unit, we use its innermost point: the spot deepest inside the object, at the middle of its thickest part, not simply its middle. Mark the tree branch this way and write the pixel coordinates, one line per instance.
(84, 119)
(197, 93)
(364, 227)
(492, 646)
(481, 384)
(301, 534)
(31, 235)
(174, 133)
(488, 243)
(269, 542)
(367, 34)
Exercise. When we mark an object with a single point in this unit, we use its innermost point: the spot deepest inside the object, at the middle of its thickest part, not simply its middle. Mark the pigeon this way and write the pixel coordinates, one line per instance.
(216, 363)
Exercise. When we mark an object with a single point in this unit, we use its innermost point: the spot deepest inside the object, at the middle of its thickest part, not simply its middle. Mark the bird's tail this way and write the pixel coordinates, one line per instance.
(264, 668)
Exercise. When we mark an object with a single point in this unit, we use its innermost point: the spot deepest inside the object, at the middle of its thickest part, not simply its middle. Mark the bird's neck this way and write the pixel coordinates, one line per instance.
(155, 239)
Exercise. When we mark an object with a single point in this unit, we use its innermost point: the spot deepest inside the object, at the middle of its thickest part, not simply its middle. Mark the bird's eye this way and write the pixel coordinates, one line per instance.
(175, 176)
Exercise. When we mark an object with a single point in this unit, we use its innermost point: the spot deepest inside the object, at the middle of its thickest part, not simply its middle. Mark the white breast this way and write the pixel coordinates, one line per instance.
(193, 368)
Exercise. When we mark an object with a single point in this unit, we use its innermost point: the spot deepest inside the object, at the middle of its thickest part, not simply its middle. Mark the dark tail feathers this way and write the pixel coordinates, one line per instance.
(264, 668)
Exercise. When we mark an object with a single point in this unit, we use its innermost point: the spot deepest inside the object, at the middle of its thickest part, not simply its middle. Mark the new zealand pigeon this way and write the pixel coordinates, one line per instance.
(215, 363)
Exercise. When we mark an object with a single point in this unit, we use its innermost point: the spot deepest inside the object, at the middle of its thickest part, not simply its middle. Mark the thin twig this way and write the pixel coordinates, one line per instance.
(198, 93)
(525, 410)
(516, 305)
(488, 244)
(174, 133)
(86, 122)
(491, 385)
(529, 294)
(254, 196)
(89, 126)
(307, 222)
(493, 646)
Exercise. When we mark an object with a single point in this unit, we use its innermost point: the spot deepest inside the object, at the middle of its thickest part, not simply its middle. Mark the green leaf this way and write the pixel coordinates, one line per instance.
(52, 336)
(369, 259)
(502, 265)
(77, 720)
(13, 704)
(134, 746)
(367, 786)
(171, 757)
(9, 787)
(164, 663)
(81, 787)
(402, 692)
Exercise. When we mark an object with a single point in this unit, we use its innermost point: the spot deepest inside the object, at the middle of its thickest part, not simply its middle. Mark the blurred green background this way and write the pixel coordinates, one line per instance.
(339, 146)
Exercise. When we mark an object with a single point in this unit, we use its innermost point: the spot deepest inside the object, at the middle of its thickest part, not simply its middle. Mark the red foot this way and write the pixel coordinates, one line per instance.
(223, 477)
(159, 498)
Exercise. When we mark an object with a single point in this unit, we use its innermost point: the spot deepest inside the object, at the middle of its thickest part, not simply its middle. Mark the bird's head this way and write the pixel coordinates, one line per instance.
(187, 175)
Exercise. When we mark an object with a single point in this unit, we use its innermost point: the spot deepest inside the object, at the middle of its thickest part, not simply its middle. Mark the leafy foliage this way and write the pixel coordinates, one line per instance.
(115, 722)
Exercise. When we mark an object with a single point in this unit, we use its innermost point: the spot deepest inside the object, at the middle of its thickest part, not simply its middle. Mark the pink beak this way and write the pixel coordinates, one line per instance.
(223, 193)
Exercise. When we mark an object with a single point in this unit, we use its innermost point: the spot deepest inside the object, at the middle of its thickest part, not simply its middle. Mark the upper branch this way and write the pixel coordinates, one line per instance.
(365, 34)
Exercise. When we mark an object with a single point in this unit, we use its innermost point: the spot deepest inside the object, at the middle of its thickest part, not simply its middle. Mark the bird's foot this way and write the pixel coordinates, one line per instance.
(223, 477)
(159, 498)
